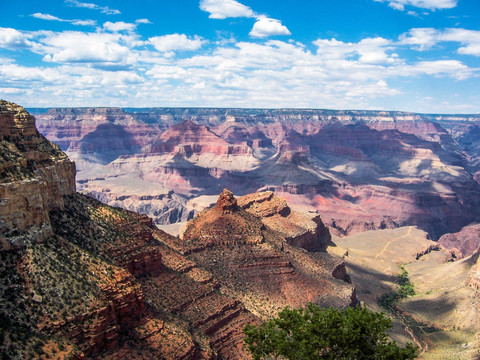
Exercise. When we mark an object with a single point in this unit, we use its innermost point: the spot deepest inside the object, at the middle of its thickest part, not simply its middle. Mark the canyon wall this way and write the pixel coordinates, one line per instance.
(361, 170)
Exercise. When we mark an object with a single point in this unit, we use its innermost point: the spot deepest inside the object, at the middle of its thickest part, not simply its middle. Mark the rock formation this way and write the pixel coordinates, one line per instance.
(34, 175)
(362, 170)
(305, 230)
(463, 243)
(81, 279)
(256, 263)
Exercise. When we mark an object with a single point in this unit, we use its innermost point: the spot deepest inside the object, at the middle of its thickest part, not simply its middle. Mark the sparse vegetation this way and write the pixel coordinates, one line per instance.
(405, 290)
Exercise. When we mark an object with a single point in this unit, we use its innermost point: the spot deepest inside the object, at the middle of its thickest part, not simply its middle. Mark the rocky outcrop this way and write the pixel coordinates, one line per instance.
(305, 230)
(254, 263)
(15, 120)
(463, 243)
(34, 176)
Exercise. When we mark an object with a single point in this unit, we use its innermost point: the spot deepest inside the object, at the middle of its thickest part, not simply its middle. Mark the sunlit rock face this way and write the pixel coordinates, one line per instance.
(34, 175)
(361, 170)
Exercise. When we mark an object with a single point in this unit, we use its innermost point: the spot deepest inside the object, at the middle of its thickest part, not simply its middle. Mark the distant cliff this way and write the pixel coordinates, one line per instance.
(362, 170)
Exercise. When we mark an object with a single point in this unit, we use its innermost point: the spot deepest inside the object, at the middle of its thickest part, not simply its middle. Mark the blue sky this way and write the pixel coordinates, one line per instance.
(410, 55)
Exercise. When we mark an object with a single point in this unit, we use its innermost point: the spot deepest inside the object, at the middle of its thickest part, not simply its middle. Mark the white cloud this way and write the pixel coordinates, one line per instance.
(470, 39)
(222, 9)
(119, 26)
(9, 91)
(49, 17)
(99, 69)
(369, 50)
(423, 4)
(103, 9)
(265, 27)
(46, 17)
(421, 38)
(424, 39)
(84, 22)
(167, 72)
(70, 46)
(176, 42)
(11, 38)
(143, 21)
(451, 68)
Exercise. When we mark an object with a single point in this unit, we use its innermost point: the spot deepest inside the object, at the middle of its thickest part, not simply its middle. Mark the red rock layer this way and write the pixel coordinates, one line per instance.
(299, 229)
(464, 243)
(257, 264)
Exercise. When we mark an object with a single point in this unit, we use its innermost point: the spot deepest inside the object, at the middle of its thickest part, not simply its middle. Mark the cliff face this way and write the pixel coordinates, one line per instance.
(463, 243)
(34, 175)
(362, 170)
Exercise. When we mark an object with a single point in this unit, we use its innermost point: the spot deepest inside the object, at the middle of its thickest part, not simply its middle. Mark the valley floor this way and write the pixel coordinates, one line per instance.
(442, 317)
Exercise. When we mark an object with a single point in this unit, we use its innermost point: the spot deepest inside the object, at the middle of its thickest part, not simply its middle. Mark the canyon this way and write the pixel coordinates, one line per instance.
(277, 207)
(81, 279)
(361, 170)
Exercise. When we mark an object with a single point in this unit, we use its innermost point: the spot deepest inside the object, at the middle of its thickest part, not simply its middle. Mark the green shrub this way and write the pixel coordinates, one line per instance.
(312, 333)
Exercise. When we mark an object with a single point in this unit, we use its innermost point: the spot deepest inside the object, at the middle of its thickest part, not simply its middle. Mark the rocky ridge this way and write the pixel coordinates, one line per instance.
(257, 264)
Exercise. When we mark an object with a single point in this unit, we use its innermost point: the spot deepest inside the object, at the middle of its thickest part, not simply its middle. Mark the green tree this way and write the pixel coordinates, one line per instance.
(312, 333)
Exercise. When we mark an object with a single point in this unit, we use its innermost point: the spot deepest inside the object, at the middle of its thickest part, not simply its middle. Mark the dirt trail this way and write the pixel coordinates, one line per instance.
(391, 241)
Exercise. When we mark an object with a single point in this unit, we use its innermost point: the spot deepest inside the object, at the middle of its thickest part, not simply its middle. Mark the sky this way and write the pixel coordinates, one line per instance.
(407, 55)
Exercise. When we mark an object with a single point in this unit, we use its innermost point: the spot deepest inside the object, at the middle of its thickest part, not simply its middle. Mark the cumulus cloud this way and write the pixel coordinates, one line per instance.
(423, 39)
(119, 26)
(265, 27)
(99, 68)
(451, 68)
(11, 38)
(49, 17)
(176, 42)
(71, 46)
(423, 4)
(368, 51)
(222, 9)
(103, 9)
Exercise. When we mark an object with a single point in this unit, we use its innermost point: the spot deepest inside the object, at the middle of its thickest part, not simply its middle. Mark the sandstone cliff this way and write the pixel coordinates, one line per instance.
(34, 175)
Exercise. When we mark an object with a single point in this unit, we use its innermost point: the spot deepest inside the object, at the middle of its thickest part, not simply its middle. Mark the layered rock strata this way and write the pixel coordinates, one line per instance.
(362, 170)
(34, 176)
(305, 230)
(255, 263)
(104, 282)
